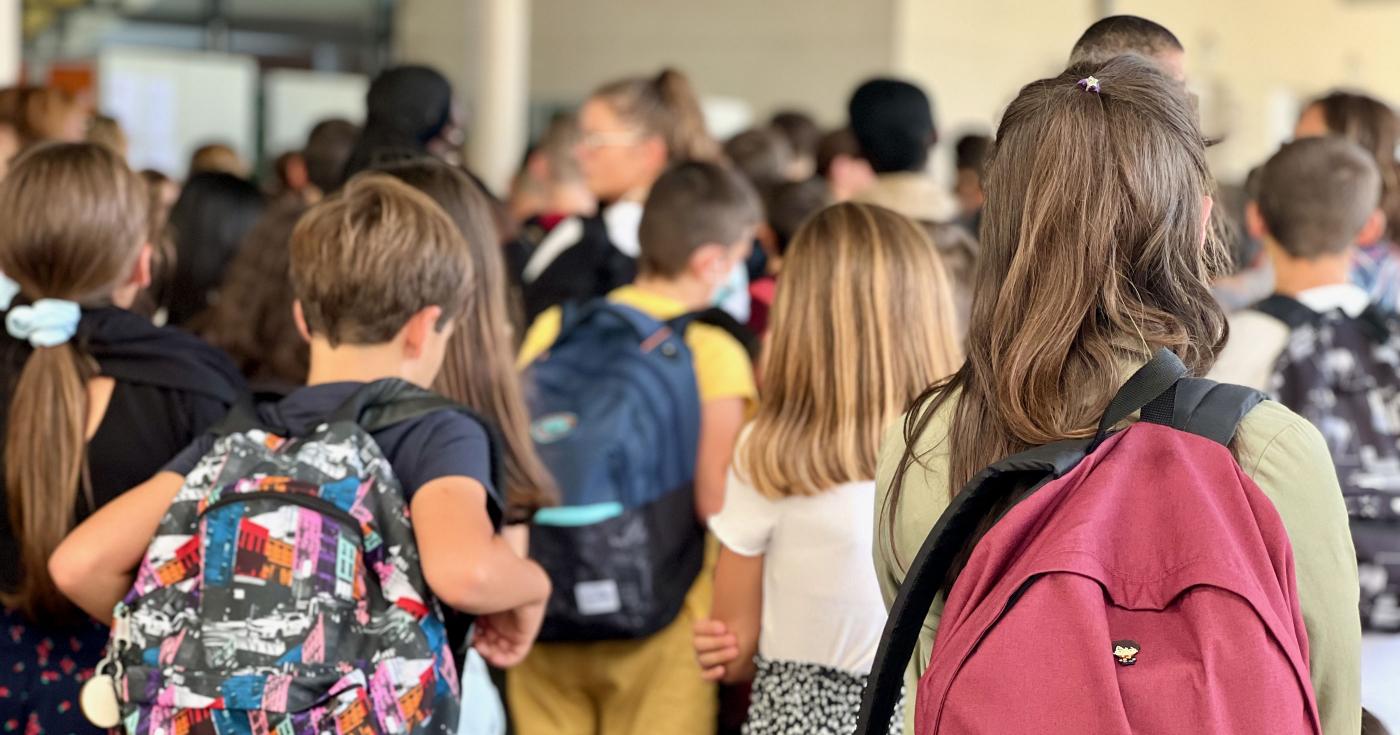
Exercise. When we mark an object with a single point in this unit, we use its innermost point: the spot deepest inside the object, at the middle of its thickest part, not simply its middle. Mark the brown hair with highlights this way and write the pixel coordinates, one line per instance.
(1095, 253)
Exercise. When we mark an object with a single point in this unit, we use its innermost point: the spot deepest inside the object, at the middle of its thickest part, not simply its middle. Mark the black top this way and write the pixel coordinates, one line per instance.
(589, 268)
(170, 388)
(420, 450)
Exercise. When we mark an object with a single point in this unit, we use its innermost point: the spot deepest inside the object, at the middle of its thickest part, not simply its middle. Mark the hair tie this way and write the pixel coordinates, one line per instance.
(45, 323)
(9, 289)
(1089, 84)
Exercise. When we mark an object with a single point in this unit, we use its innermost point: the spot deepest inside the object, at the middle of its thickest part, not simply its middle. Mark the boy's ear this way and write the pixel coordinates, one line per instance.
(1373, 230)
(1254, 222)
(710, 262)
(299, 317)
(419, 330)
(141, 269)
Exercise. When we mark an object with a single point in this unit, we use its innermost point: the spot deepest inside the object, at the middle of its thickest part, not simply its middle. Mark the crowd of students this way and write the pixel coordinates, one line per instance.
(658, 436)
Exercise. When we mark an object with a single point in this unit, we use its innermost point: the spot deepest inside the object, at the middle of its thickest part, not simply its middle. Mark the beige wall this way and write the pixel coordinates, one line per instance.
(1255, 61)
(1252, 62)
(769, 53)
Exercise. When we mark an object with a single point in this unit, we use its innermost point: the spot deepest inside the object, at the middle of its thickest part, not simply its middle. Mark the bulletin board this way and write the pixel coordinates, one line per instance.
(171, 102)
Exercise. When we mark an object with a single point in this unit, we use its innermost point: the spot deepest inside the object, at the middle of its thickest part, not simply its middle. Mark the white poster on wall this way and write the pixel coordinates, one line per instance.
(294, 101)
(171, 102)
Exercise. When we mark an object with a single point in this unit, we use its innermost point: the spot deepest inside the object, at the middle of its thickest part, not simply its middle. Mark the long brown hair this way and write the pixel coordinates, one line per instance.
(479, 371)
(1373, 125)
(884, 329)
(252, 320)
(1094, 254)
(664, 105)
(72, 223)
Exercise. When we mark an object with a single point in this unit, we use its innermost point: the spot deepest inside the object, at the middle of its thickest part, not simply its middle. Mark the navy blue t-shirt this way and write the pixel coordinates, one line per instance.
(440, 444)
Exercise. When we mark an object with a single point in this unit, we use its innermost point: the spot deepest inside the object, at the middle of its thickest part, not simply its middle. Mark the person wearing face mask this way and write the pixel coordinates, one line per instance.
(616, 654)
(630, 132)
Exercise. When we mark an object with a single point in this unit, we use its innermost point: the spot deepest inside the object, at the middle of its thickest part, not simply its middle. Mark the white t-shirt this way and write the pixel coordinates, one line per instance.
(821, 603)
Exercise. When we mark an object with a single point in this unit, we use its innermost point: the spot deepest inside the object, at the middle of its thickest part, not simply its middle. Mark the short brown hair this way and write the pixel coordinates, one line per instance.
(1122, 34)
(368, 259)
(1316, 194)
(692, 205)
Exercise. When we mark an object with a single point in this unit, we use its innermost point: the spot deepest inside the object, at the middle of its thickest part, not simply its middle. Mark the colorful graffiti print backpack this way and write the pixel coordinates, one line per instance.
(283, 591)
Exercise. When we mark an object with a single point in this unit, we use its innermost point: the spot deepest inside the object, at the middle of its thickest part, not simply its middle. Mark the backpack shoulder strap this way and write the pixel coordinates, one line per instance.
(932, 566)
(573, 314)
(391, 401)
(1204, 408)
(1287, 309)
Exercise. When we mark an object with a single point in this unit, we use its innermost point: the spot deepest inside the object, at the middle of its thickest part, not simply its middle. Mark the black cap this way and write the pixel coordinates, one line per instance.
(893, 121)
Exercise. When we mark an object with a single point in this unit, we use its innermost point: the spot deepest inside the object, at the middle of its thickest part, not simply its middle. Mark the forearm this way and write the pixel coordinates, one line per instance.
(499, 579)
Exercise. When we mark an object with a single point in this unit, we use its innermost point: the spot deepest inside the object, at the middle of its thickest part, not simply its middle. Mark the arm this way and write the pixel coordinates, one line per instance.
(1295, 470)
(465, 562)
(721, 420)
(738, 607)
(96, 564)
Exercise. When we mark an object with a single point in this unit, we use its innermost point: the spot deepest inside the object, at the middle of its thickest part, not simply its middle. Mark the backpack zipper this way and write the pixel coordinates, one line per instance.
(325, 507)
(320, 505)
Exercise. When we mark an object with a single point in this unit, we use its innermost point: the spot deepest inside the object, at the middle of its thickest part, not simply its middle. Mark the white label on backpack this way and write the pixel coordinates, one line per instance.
(597, 598)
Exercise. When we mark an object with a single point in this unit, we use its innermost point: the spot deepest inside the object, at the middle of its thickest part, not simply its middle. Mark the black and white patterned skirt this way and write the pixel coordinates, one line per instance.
(792, 698)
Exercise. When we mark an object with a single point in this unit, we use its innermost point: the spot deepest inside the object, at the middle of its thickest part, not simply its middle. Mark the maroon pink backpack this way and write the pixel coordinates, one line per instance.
(1139, 583)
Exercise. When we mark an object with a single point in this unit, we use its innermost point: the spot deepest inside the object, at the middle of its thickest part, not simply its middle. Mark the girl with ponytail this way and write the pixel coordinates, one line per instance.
(96, 400)
(630, 131)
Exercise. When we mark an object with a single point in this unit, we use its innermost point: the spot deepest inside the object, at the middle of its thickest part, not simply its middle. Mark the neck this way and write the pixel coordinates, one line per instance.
(689, 291)
(357, 363)
(1293, 276)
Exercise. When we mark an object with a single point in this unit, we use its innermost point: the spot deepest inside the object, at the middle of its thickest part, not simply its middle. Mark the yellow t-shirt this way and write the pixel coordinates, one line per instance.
(722, 367)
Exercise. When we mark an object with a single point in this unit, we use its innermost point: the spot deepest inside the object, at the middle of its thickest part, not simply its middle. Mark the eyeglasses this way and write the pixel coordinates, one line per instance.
(616, 138)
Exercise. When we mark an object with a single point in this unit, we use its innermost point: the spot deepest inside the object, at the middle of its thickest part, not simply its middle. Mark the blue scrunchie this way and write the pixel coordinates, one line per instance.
(45, 323)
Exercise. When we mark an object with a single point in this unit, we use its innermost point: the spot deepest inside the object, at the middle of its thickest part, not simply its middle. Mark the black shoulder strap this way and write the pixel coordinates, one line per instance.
(1287, 309)
(384, 403)
(1378, 325)
(1158, 390)
(932, 566)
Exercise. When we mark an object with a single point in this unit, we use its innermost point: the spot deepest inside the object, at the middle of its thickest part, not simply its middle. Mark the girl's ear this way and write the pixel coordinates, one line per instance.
(141, 271)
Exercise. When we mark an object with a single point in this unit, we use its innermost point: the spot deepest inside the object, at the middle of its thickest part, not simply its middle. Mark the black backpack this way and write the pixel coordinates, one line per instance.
(1342, 373)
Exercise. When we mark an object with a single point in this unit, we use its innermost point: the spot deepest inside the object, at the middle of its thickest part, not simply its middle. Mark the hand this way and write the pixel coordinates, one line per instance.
(715, 648)
(504, 638)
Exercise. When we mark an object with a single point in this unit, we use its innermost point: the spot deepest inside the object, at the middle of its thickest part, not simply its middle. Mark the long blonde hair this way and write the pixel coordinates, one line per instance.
(862, 323)
(72, 223)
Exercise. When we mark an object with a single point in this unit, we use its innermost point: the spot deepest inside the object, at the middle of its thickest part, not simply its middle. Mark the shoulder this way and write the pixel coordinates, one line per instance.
(1272, 432)
(1256, 342)
(722, 365)
(924, 491)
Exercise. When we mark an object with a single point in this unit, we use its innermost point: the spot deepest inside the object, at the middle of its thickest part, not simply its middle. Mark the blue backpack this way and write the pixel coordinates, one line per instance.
(616, 418)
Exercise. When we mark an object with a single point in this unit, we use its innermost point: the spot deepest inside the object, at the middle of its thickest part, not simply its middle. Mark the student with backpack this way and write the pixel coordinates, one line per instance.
(287, 572)
(96, 399)
(630, 131)
(636, 411)
(1093, 304)
(1373, 125)
(797, 608)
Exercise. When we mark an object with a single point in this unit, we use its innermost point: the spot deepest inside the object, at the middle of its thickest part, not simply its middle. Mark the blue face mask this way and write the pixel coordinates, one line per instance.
(733, 294)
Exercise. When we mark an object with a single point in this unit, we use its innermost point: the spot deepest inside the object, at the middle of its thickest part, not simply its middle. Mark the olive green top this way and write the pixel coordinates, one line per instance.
(1286, 457)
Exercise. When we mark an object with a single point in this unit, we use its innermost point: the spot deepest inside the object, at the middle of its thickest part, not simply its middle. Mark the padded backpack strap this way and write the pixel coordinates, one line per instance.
(955, 531)
(1204, 408)
(391, 401)
(1288, 310)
